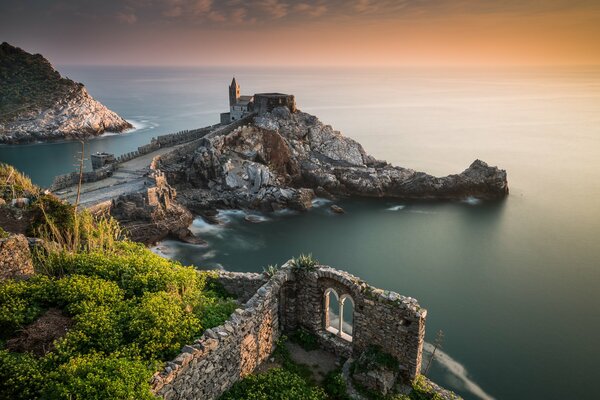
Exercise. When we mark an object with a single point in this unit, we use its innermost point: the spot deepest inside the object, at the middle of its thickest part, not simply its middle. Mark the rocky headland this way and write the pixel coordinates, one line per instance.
(37, 104)
(283, 160)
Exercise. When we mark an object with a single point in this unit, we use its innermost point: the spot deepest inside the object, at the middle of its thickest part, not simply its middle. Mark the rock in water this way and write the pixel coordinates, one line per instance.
(337, 209)
(37, 104)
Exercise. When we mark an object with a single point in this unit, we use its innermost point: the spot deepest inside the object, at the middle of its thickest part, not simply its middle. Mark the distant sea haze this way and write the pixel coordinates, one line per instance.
(513, 284)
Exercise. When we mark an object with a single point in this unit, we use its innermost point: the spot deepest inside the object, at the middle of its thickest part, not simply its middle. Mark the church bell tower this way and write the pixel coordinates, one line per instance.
(234, 92)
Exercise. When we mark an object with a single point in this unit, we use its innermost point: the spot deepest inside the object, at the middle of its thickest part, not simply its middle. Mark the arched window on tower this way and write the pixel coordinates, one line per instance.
(339, 314)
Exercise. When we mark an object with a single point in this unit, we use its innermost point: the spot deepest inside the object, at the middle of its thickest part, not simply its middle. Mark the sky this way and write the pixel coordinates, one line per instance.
(306, 32)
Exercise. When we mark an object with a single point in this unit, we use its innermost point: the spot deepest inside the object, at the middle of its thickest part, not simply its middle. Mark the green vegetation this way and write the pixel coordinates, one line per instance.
(129, 309)
(28, 82)
(290, 382)
(276, 384)
(335, 386)
(307, 340)
(13, 184)
(373, 359)
(270, 270)
(304, 262)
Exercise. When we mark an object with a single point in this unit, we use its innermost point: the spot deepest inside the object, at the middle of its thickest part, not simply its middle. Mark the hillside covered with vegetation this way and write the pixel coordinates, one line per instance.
(101, 314)
(37, 104)
(29, 82)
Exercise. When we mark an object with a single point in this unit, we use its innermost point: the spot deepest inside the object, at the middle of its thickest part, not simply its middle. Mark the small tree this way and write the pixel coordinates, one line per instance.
(437, 343)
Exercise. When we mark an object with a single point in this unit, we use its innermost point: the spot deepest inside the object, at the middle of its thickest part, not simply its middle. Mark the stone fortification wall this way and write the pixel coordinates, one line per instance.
(72, 179)
(15, 258)
(286, 301)
(266, 102)
(178, 153)
(168, 140)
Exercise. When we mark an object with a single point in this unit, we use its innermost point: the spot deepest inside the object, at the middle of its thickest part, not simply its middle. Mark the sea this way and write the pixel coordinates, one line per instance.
(514, 285)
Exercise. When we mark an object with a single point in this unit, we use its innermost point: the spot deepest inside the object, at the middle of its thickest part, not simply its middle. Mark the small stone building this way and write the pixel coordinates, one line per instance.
(242, 105)
(99, 160)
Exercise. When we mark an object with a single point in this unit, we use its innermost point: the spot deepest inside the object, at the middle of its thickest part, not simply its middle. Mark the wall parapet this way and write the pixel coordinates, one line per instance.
(284, 302)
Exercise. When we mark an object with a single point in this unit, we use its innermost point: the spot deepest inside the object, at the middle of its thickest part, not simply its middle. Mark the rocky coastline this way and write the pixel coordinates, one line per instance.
(37, 104)
(284, 160)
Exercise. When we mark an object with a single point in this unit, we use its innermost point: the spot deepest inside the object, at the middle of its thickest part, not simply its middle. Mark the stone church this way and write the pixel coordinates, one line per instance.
(242, 105)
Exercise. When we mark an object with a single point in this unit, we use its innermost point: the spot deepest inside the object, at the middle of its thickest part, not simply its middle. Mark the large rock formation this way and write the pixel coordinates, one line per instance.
(36, 103)
(153, 214)
(283, 159)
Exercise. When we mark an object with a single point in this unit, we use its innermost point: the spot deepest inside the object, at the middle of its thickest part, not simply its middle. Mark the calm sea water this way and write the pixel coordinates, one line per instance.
(513, 285)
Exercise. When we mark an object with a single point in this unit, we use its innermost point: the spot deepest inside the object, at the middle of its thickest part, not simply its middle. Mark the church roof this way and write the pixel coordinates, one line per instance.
(233, 82)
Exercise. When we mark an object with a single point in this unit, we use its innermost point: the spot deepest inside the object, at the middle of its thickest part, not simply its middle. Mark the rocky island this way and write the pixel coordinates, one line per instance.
(268, 157)
(37, 104)
(283, 159)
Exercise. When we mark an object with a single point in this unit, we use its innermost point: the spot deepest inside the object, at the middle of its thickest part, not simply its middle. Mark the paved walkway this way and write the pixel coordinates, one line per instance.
(128, 178)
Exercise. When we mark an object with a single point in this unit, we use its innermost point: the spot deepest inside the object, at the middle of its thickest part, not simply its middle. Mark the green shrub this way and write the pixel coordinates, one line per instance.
(96, 376)
(79, 293)
(307, 340)
(134, 268)
(276, 384)
(21, 302)
(96, 329)
(21, 376)
(335, 386)
(374, 358)
(214, 311)
(160, 325)
(304, 262)
(270, 270)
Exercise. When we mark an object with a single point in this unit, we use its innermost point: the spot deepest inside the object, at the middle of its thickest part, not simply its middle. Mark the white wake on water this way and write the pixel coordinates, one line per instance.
(396, 208)
(457, 370)
(472, 201)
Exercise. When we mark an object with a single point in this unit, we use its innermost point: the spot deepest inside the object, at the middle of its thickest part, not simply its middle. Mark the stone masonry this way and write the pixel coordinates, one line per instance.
(289, 300)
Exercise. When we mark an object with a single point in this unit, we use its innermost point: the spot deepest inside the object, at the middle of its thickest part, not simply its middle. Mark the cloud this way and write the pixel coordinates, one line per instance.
(275, 8)
(312, 10)
(216, 16)
(180, 8)
(379, 6)
(126, 17)
(201, 6)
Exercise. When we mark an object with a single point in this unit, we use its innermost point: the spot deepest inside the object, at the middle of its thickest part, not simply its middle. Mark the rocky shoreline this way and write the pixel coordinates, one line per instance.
(284, 160)
(37, 104)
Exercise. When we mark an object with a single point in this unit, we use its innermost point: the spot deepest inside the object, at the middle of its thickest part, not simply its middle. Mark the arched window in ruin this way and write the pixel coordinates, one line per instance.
(347, 313)
(332, 311)
(339, 314)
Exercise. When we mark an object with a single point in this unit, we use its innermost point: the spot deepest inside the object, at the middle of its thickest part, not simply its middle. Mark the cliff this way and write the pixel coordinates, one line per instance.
(284, 159)
(36, 103)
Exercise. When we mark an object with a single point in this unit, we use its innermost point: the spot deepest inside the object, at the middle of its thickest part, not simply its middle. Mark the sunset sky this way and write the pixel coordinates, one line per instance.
(306, 32)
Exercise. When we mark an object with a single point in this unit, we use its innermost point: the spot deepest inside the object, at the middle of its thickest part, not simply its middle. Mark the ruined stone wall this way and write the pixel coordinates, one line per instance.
(223, 355)
(15, 258)
(386, 319)
(241, 285)
(286, 301)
